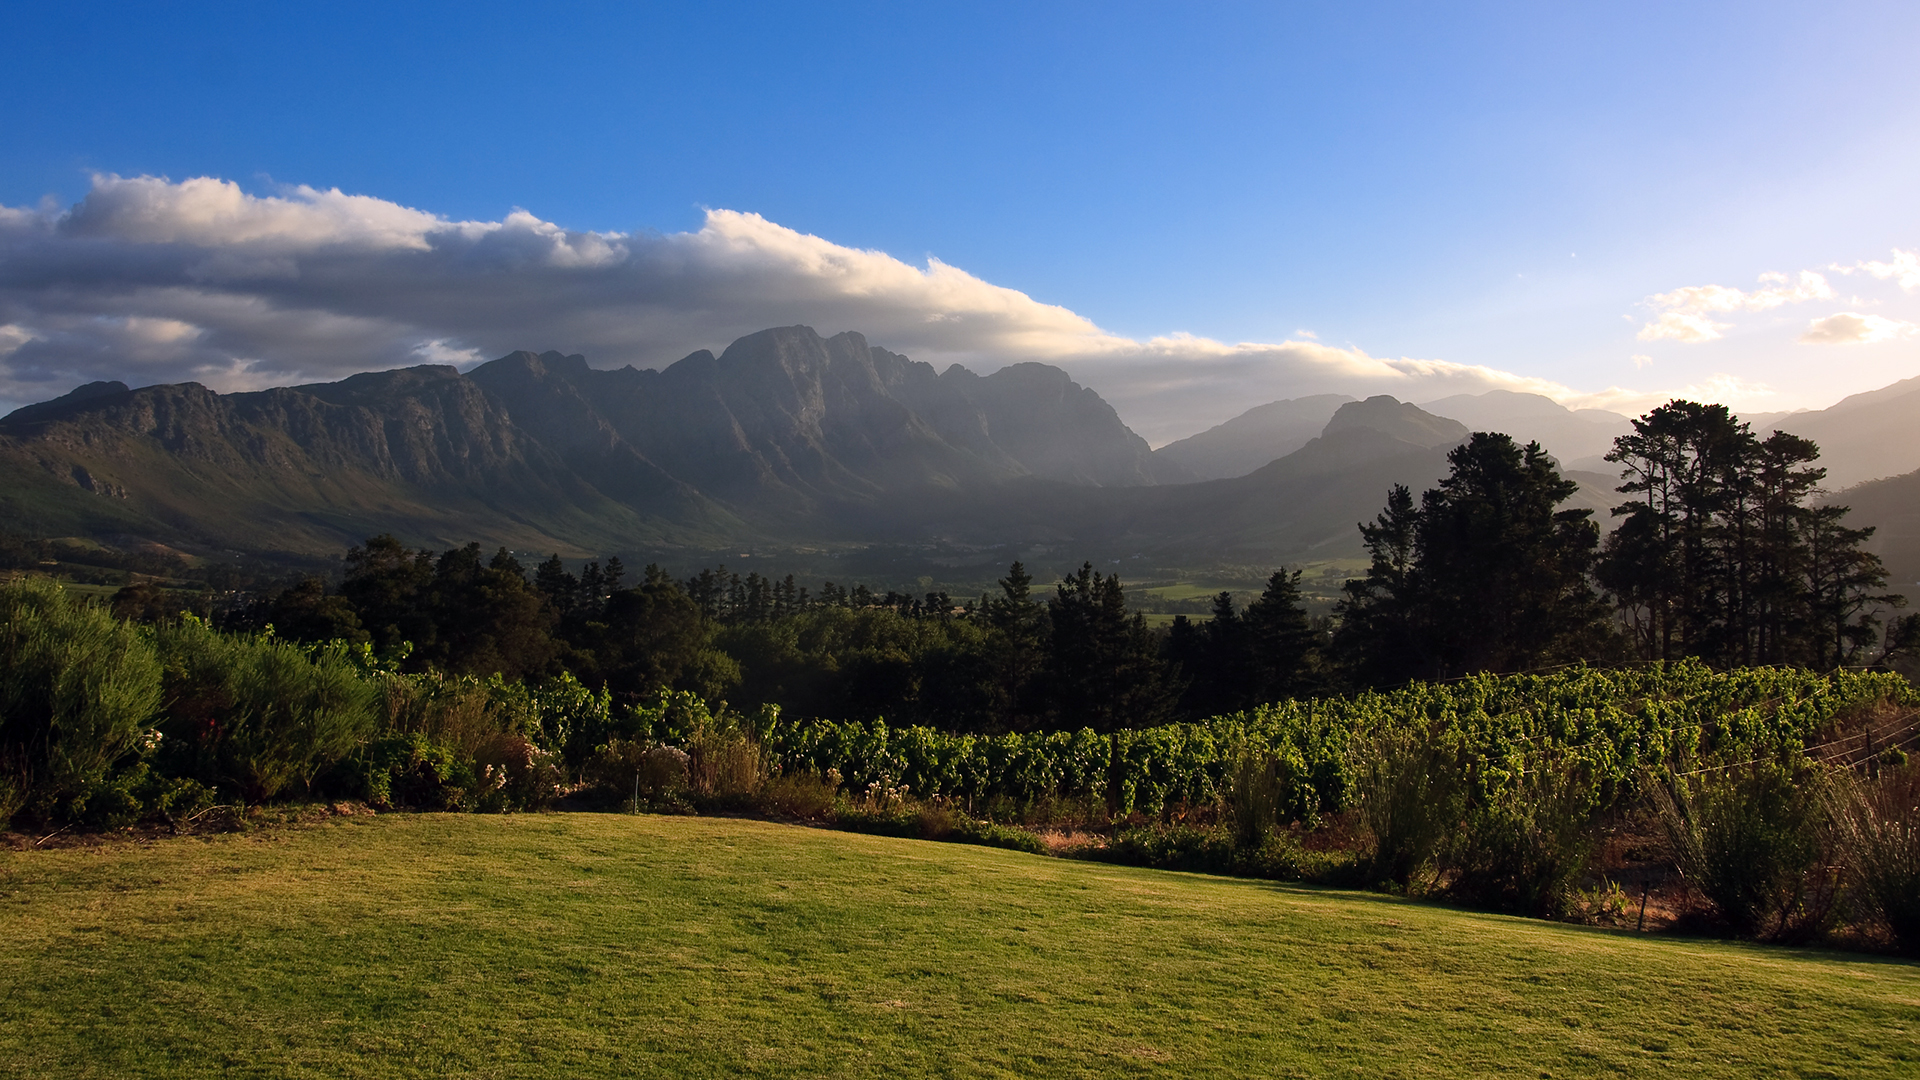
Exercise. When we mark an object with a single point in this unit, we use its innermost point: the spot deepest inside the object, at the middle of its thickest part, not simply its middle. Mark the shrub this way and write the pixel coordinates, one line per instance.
(1255, 789)
(77, 690)
(409, 769)
(1215, 850)
(1877, 823)
(1748, 839)
(1408, 786)
(1524, 849)
(259, 713)
(137, 793)
(804, 795)
(514, 774)
(637, 774)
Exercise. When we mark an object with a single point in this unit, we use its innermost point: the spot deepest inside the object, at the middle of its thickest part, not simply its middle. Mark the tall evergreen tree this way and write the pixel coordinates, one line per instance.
(1719, 554)
(1280, 643)
(1487, 575)
(1104, 667)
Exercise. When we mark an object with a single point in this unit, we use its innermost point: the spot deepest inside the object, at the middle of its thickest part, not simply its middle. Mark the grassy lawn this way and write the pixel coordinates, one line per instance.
(590, 945)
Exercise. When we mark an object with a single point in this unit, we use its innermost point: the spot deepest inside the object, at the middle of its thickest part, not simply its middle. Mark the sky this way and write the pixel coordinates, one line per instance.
(1194, 208)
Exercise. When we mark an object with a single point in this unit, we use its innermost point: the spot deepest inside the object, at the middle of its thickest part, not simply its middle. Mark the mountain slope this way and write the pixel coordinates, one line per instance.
(786, 435)
(1863, 437)
(1253, 438)
(1570, 435)
(420, 450)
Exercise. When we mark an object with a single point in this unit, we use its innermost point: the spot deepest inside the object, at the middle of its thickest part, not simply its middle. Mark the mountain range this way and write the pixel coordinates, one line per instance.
(785, 439)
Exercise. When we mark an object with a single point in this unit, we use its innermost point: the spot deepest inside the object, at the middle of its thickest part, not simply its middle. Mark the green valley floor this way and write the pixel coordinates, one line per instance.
(576, 945)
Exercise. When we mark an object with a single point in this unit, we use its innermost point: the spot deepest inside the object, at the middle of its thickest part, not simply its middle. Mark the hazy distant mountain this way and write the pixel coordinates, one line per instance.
(1863, 437)
(786, 434)
(1570, 435)
(1892, 507)
(1303, 506)
(1253, 438)
(422, 451)
(1269, 431)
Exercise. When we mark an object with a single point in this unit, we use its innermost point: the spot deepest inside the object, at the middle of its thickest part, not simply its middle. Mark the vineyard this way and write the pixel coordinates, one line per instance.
(1609, 725)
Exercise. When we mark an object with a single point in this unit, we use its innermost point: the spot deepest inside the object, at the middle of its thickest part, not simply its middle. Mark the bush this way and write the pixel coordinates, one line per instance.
(1525, 848)
(895, 815)
(804, 795)
(137, 793)
(514, 774)
(638, 775)
(1215, 850)
(1255, 789)
(1407, 781)
(409, 769)
(1877, 823)
(77, 690)
(1748, 839)
(259, 713)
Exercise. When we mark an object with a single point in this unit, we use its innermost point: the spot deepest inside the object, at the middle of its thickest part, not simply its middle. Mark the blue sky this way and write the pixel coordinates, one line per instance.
(1484, 186)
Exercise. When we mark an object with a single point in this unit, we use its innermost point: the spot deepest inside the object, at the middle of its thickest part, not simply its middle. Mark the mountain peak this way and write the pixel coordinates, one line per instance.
(1401, 420)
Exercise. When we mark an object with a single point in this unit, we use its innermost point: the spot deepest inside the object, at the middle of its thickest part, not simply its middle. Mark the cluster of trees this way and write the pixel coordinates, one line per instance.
(1014, 661)
(1720, 554)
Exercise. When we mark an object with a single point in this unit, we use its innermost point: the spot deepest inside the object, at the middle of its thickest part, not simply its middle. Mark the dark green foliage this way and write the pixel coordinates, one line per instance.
(1524, 848)
(637, 640)
(1215, 850)
(1748, 837)
(1103, 665)
(1486, 575)
(258, 714)
(1718, 554)
(1236, 661)
(307, 612)
(77, 690)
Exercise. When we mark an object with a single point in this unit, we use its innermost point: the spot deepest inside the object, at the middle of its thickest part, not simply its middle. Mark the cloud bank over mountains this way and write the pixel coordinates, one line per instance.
(148, 280)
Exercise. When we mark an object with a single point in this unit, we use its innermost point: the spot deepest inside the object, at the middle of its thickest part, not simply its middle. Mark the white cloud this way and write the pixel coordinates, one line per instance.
(149, 280)
(1853, 328)
(1684, 312)
(1904, 268)
(1641, 360)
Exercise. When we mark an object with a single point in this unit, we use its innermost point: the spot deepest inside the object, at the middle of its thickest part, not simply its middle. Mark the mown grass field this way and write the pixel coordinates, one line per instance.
(605, 945)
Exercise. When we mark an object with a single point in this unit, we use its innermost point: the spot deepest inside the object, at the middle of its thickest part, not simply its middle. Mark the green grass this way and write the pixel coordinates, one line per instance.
(608, 945)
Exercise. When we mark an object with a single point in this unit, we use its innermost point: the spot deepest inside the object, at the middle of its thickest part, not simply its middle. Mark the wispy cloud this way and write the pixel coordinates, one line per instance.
(1904, 268)
(1686, 314)
(1853, 328)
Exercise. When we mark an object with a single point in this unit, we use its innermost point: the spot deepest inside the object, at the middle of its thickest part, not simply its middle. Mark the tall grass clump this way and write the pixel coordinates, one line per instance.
(1256, 788)
(1877, 821)
(1749, 838)
(258, 714)
(1407, 784)
(77, 691)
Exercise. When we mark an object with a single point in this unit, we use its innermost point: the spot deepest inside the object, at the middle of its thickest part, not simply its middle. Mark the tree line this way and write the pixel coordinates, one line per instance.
(1721, 553)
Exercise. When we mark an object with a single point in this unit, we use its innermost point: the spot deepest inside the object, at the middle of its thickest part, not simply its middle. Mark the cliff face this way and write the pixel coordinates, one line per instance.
(421, 450)
(785, 433)
(786, 422)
